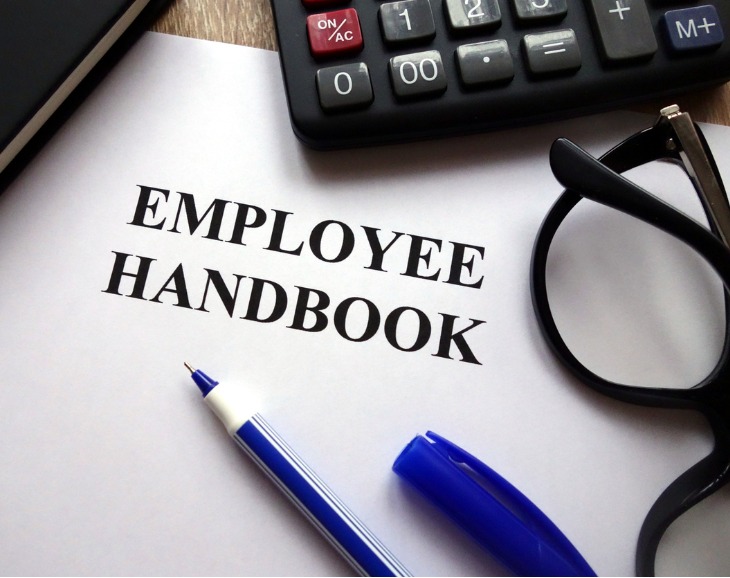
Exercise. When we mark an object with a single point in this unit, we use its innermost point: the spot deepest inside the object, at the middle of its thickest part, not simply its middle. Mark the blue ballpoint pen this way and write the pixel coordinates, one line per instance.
(323, 508)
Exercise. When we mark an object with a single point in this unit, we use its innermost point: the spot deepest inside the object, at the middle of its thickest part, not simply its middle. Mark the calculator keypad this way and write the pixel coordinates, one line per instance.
(362, 72)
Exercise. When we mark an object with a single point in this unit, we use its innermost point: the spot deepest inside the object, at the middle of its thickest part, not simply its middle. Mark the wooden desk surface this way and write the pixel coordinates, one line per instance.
(250, 23)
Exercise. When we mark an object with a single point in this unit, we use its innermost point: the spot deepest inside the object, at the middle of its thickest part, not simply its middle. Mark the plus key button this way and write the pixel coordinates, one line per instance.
(625, 31)
(334, 33)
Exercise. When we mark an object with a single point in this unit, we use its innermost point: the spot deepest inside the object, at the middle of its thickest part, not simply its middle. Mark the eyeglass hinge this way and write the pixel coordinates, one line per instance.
(695, 158)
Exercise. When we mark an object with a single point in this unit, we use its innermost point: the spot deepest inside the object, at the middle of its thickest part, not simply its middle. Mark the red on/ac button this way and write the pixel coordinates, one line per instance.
(332, 33)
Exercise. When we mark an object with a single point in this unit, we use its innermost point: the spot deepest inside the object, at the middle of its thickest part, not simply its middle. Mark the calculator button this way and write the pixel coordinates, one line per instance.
(532, 10)
(552, 52)
(485, 62)
(694, 28)
(473, 14)
(332, 33)
(407, 20)
(419, 74)
(346, 86)
(624, 29)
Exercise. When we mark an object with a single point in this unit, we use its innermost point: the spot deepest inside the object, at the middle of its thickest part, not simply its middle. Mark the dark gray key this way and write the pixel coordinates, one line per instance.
(532, 10)
(418, 74)
(407, 20)
(552, 52)
(625, 31)
(472, 14)
(485, 62)
(345, 86)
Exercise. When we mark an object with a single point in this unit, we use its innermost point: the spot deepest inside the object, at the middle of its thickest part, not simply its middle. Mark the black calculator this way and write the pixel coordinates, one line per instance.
(367, 72)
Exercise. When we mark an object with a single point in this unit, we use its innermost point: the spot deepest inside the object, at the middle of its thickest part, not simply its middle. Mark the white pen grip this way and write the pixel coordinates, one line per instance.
(231, 404)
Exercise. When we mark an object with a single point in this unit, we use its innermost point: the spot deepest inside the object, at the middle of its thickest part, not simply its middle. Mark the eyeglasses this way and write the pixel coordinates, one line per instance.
(677, 139)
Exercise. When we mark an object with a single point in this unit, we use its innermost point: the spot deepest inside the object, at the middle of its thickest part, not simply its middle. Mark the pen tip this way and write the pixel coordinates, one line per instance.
(190, 368)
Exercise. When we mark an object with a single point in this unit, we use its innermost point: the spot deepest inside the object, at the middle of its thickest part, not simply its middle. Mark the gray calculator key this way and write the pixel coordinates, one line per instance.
(472, 14)
(485, 62)
(406, 21)
(532, 10)
(625, 31)
(552, 52)
(346, 86)
(418, 74)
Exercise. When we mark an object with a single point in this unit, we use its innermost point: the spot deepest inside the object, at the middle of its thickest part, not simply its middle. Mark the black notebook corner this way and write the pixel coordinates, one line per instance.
(51, 53)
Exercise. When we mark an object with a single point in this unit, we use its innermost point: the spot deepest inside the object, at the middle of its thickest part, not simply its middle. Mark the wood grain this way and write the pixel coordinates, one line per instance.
(244, 22)
(250, 23)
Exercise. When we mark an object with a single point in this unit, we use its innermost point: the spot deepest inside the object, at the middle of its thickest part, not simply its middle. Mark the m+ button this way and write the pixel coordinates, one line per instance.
(694, 28)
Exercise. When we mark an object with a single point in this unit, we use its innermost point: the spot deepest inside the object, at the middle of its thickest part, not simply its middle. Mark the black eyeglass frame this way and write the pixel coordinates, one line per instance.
(674, 138)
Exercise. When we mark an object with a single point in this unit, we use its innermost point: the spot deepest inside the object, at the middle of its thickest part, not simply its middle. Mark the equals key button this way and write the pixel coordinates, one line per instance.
(554, 52)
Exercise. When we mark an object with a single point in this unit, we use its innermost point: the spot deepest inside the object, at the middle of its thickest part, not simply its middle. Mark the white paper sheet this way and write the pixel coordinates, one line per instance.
(109, 462)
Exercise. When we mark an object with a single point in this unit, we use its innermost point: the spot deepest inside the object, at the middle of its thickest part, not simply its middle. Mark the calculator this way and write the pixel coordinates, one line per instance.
(368, 72)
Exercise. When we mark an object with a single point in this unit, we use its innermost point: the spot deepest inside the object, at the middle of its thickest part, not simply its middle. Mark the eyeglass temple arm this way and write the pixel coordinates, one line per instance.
(700, 166)
(579, 172)
(693, 486)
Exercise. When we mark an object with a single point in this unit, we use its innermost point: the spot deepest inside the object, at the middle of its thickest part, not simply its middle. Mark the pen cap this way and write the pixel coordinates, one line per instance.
(495, 513)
